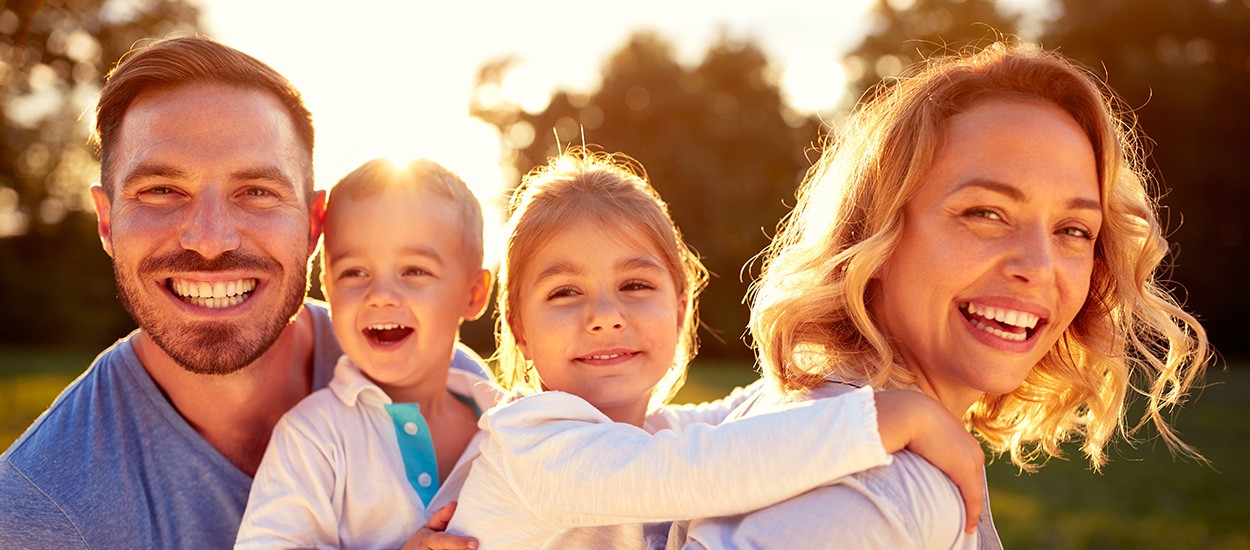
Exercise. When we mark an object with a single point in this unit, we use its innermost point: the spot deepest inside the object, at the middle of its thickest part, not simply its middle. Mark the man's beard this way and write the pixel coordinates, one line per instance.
(208, 347)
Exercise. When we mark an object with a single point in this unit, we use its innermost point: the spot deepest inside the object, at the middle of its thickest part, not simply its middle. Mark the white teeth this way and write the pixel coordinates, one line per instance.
(1005, 316)
(385, 326)
(1004, 335)
(602, 357)
(213, 295)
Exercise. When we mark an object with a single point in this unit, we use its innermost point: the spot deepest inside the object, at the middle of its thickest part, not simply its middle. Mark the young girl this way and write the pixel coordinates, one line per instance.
(597, 310)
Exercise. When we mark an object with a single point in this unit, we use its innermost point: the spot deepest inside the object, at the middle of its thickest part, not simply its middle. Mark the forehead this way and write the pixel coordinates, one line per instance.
(1031, 144)
(398, 216)
(202, 127)
(587, 241)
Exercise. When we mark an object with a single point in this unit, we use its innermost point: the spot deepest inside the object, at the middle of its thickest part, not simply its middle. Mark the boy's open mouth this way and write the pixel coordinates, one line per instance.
(386, 334)
(1008, 324)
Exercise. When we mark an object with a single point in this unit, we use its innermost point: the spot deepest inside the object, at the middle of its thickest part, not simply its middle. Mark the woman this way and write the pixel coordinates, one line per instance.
(982, 232)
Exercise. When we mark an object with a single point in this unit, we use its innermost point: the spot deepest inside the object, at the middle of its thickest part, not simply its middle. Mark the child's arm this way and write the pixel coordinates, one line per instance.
(289, 505)
(679, 416)
(575, 467)
(916, 421)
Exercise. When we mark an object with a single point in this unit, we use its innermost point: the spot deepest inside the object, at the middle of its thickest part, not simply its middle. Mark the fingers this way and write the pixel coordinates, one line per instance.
(448, 541)
(441, 517)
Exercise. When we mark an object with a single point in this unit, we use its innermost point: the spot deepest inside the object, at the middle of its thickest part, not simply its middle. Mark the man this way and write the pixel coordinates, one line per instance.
(207, 207)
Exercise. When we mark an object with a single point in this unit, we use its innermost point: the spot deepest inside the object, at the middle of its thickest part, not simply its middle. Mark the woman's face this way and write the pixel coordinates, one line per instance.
(996, 251)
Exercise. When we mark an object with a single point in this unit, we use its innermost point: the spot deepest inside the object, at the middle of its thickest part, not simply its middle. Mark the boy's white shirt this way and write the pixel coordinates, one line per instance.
(333, 476)
(556, 472)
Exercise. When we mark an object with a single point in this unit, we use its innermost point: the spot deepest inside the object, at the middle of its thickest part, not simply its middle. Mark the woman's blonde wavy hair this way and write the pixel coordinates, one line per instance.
(610, 189)
(809, 317)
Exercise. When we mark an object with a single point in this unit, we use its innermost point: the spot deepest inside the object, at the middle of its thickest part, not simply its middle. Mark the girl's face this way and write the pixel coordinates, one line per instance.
(996, 251)
(599, 315)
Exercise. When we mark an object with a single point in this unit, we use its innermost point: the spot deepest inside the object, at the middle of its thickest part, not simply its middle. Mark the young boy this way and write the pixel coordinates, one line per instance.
(402, 269)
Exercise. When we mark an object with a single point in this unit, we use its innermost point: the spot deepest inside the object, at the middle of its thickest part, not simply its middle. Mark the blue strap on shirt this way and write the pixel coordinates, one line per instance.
(416, 448)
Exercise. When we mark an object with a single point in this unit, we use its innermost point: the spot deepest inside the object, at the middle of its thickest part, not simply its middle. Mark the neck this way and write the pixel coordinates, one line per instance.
(632, 413)
(236, 412)
(955, 399)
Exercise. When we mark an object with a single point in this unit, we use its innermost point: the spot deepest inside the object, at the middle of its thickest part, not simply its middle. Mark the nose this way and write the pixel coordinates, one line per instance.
(381, 293)
(1032, 256)
(605, 314)
(210, 230)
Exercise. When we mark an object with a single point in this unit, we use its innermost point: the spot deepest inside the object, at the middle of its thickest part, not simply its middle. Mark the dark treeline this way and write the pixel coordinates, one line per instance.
(717, 139)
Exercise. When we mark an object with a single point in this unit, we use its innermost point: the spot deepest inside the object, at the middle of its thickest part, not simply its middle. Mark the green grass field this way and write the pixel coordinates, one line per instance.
(1144, 498)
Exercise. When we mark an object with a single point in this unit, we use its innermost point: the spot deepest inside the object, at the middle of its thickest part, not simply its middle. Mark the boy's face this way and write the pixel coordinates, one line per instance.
(399, 285)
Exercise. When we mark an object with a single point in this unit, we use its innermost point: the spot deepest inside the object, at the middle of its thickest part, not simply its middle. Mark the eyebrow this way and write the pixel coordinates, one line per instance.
(422, 251)
(169, 171)
(629, 264)
(1014, 193)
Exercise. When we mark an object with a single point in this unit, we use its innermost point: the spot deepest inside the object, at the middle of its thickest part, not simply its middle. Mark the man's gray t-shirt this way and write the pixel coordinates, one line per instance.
(112, 464)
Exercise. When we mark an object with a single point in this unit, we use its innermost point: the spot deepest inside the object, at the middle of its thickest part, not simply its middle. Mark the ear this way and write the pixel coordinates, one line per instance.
(103, 214)
(518, 335)
(683, 302)
(479, 293)
(316, 220)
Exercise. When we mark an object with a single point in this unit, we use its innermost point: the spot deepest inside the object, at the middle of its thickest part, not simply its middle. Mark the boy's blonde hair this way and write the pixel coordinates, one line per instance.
(609, 189)
(377, 175)
(809, 317)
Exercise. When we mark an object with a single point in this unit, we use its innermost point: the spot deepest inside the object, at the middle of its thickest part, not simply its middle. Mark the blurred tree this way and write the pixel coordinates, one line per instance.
(717, 141)
(906, 31)
(55, 282)
(1183, 68)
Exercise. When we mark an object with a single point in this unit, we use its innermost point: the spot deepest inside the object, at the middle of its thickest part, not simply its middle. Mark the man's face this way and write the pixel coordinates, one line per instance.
(209, 227)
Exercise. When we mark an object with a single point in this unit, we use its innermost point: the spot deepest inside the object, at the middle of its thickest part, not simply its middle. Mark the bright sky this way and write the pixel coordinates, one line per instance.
(392, 78)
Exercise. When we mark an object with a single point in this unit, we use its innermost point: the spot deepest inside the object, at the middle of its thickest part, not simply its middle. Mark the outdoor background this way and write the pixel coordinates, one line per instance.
(725, 104)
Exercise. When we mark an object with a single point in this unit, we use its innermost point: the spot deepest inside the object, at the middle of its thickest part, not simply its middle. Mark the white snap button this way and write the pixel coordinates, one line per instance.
(424, 480)
(410, 428)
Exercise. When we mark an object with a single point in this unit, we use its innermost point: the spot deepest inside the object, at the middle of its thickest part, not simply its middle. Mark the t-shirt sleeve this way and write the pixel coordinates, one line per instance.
(28, 518)
(572, 465)
(467, 360)
(290, 504)
(907, 505)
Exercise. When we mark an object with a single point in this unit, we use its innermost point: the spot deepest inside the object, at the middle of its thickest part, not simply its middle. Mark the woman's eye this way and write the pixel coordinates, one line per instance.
(1078, 233)
(986, 213)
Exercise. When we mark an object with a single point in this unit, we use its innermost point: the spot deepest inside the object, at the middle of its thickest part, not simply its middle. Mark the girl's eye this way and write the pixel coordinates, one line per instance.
(562, 292)
(637, 285)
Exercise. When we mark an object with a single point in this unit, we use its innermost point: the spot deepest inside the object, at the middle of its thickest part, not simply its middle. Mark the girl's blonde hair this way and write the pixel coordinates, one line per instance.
(809, 317)
(611, 190)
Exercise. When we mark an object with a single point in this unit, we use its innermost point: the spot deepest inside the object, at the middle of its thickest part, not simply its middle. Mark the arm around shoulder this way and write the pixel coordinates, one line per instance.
(563, 464)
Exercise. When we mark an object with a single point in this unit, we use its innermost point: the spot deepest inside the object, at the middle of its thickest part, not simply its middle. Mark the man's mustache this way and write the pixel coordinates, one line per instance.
(187, 260)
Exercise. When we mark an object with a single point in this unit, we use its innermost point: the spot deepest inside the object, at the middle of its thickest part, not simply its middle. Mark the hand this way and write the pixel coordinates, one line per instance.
(433, 535)
(911, 419)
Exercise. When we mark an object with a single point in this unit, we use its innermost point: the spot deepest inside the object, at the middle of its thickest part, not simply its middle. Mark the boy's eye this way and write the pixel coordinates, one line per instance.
(353, 272)
(415, 272)
(562, 292)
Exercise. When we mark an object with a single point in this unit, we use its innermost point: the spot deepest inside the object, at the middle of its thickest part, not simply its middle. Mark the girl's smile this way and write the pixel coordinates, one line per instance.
(599, 317)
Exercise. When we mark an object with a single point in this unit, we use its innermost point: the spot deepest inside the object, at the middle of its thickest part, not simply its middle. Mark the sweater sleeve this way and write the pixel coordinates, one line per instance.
(291, 500)
(715, 412)
(571, 464)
